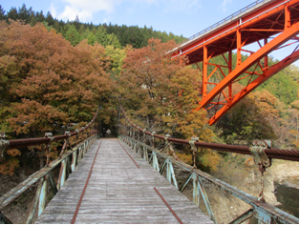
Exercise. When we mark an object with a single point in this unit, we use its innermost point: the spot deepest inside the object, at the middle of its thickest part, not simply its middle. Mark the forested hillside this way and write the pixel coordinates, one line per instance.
(104, 34)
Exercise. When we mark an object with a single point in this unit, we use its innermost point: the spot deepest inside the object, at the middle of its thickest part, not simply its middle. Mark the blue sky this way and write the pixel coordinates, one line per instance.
(184, 17)
(181, 17)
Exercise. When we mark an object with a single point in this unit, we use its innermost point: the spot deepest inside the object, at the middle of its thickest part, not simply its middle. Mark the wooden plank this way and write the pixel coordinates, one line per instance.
(119, 192)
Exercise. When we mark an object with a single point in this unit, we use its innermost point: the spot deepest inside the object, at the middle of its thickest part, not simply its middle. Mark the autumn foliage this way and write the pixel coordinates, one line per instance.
(161, 94)
(45, 82)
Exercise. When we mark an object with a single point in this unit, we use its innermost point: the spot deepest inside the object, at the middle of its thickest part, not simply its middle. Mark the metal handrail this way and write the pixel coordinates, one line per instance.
(263, 211)
(44, 176)
(26, 142)
(285, 154)
(252, 5)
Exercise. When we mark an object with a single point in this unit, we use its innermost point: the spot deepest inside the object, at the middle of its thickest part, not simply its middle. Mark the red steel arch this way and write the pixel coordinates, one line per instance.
(277, 20)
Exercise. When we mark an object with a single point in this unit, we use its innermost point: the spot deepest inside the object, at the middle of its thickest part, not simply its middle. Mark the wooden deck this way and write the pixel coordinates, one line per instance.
(123, 188)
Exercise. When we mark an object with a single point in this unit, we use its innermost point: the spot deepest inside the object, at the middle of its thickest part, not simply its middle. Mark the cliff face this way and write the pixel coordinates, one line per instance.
(226, 207)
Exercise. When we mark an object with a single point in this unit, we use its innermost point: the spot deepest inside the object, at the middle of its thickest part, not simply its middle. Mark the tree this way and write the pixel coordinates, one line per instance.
(49, 19)
(24, 13)
(101, 36)
(2, 13)
(72, 35)
(40, 16)
(91, 38)
(113, 41)
(116, 56)
(77, 22)
(44, 80)
(246, 121)
(13, 14)
(283, 119)
(161, 94)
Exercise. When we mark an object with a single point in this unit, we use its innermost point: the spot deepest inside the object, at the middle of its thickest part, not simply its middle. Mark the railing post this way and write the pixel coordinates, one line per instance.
(153, 141)
(35, 201)
(62, 175)
(84, 147)
(42, 198)
(79, 154)
(145, 153)
(172, 173)
(168, 171)
(155, 161)
(196, 194)
(73, 163)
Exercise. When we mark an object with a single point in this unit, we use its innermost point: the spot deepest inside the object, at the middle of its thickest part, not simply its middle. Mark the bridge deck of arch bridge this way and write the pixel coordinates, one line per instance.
(120, 190)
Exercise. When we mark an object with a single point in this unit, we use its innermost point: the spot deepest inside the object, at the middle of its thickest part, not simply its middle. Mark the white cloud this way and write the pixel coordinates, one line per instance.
(187, 5)
(224, 4)
(106, 19)
(85, 9)
(53, 11)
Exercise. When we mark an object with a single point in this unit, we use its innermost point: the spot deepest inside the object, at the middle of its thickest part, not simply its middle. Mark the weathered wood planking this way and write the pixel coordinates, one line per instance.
(119, 192)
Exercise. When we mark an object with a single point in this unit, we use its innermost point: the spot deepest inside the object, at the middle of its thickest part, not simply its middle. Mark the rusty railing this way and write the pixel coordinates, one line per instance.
(68, 159)
(263, 211)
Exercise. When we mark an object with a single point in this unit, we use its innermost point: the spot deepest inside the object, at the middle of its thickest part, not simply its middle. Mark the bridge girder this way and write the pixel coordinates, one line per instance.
(279, 18)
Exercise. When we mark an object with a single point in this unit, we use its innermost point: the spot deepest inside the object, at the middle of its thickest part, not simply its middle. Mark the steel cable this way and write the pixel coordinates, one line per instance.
(285, 154)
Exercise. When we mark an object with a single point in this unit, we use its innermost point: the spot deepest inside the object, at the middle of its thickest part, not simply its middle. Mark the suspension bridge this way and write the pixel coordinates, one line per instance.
(128, 180)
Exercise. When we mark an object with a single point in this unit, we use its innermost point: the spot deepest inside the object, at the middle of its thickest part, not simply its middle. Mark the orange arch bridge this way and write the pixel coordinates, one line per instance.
(272, 24)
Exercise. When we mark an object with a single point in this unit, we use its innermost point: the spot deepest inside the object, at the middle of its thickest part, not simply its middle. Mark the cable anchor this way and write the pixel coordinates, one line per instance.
(48, 145)
(262, 160)
(3, 145)
(194, 149)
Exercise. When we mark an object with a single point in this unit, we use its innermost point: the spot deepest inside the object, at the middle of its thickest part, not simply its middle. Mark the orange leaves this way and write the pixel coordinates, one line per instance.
(210, 159)
(45, 83)
(162, 94)
(13, 152)
(34, 116)
(186, 158)
(9, 166)
(164, 90)
(47, 80)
